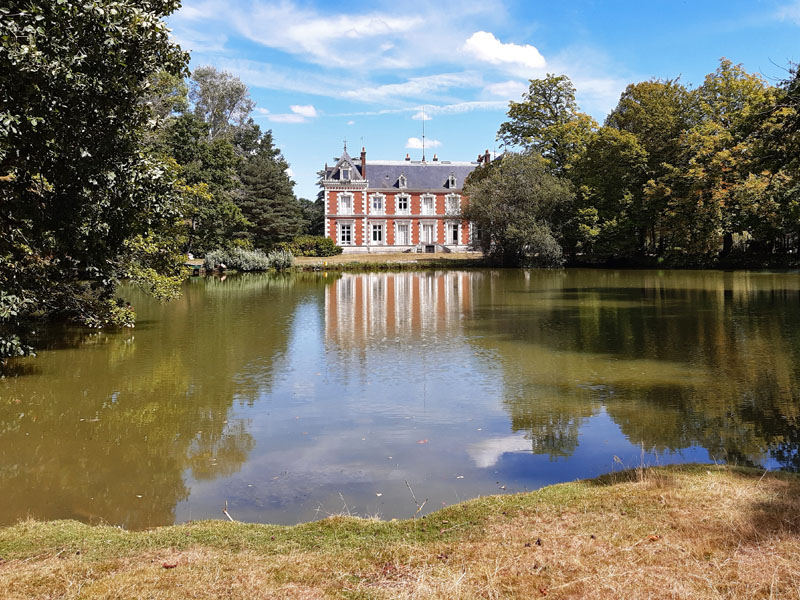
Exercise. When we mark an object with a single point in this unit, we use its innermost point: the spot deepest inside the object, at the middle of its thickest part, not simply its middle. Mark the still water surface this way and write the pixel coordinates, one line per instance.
(295, 397)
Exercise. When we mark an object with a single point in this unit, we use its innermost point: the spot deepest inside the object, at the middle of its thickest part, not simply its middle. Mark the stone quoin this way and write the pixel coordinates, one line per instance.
(397, 206)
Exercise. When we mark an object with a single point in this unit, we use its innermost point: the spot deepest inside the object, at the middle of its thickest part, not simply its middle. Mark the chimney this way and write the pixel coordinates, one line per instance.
(435, 158)
(363, 163)
(407, 156)
(486, 157)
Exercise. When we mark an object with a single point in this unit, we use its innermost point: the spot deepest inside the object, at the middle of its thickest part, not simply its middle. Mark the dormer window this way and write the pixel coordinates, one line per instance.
(345, 174)
(402, 182)
(451, 181)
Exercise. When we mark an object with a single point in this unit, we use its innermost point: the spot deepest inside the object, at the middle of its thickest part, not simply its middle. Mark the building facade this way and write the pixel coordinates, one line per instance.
(396, 206)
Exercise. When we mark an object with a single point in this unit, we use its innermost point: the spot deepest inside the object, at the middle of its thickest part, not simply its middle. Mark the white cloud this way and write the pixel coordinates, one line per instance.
(300, 114)
(416, 143)
(415, 87)
(789, 12)
(262, 111)
(351, 122)
(287, 118)
(486, 453)
(325, 38)
(306, 111)
(511, 90)
(483, 46)
(289, 172)
(422, 116)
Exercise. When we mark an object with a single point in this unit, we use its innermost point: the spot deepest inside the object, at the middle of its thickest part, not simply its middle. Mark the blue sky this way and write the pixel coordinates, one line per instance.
(320, 75)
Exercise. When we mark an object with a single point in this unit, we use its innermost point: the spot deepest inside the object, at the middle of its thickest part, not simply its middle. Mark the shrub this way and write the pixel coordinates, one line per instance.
(311, 245)
(238, 259)
(280, 260)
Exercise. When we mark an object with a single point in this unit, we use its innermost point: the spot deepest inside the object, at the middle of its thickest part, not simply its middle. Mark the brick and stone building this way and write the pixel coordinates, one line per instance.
(396, 206)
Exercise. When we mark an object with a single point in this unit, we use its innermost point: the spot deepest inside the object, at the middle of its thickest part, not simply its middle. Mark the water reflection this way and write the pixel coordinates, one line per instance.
(677, 359)
(287, 395)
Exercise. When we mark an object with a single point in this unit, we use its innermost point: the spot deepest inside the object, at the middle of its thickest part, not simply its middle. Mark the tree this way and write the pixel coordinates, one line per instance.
(266, 197)
(313, 214)
(548, 122)
(220, 99)
(520, 209)
(609, 177)
(704, 207)
(208, 170)
(83, 204)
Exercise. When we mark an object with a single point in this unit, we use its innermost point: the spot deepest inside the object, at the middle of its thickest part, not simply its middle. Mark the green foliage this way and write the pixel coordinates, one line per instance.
(76, 181)
(220, 99)
(548, 122)
(313, 214)
(311, 245)
(280, 260)
(520, 210)
(239, 259)
(266, 197)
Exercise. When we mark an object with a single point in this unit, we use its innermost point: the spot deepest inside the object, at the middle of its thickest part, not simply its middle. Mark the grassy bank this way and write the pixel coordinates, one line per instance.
(391, 262)
(676, 532)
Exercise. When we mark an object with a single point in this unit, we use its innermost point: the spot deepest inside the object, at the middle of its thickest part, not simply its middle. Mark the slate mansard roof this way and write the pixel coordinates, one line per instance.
(433, 176)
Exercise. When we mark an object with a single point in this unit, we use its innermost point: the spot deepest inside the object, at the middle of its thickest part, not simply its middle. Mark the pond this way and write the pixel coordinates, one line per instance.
(294, 397)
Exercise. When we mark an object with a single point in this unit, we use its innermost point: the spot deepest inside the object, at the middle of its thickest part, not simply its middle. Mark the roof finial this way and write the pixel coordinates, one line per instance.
(345, 144)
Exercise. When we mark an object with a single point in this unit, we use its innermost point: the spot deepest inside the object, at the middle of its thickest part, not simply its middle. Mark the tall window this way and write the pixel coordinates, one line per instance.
(428, 233)
(402, 238)
(377, 233)
(345, 204)
(402, 181)
(452, 233)
(345, 234)
(402, 205)
(452, 204)
(428, 204)
(451, 181)
(345, 173)
(377, 204)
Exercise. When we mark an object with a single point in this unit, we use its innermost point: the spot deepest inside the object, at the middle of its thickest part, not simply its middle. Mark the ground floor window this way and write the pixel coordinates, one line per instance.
(377, 233)
(402, 238)
(452, 233)
(428, 233)
(345, 234)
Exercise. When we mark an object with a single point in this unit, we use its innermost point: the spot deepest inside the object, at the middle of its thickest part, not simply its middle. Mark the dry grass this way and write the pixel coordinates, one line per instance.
(393, 258)
(674, 532)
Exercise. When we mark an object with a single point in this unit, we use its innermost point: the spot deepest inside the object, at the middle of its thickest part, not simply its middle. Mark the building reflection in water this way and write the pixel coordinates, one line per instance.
(363, 308)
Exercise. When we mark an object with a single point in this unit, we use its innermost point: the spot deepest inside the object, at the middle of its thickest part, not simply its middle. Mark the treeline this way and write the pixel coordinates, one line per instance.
(684, 177)
(115, 162)
(235, 181)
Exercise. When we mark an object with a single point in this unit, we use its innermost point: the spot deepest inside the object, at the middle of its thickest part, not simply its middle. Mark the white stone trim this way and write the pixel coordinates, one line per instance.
(397, 209)
(373, 197)
(410, 231)
(447, 210)
(384, 232)
(344, 194)
(422, 199)
(352, 224)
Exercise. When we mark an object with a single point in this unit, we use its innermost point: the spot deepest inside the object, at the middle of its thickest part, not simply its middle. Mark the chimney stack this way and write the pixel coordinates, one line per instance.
(407, 156)
(486, 157)
(363, 163)
(435, 158)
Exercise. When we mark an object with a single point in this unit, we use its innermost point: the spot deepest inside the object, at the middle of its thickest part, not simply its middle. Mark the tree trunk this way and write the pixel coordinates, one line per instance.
(727, 244)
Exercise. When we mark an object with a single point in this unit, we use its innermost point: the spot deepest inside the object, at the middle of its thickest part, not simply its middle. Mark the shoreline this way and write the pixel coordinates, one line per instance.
(700, 531)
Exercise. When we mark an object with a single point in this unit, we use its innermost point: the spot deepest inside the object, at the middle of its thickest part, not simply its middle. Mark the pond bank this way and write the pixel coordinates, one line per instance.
(391, 261)
(699, 531)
